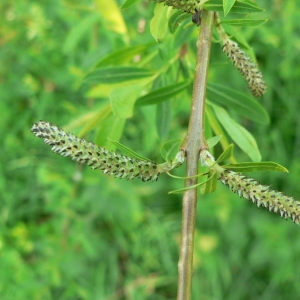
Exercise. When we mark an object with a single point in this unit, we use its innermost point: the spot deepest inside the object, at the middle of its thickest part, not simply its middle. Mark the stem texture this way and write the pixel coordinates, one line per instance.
(192, 144)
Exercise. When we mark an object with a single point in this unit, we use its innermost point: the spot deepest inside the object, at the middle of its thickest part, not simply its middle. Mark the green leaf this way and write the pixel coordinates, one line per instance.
(211, 183)
(79, 32)
(169, 149)
(163, 94)
(111, 15)
(242, 137)
(163, 119)
(241, 103)
(124, 55)
(244, 22)
(112, 128)
(117, 74)
(226, 154)
(238, 7)
(159, 24)
(128, 151)
(227, 5)
(177, 18)
(256, 167)
(123, 99)
(128, 3)
(213, 141)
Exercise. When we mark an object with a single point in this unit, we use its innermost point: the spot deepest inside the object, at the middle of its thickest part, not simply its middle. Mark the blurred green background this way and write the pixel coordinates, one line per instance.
(68, 232)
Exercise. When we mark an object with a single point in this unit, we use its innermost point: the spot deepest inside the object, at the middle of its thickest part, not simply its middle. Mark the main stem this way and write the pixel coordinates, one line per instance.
(192, 144)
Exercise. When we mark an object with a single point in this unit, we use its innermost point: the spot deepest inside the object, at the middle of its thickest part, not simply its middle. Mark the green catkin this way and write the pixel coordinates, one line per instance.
(190, 6)
(83, 152)
(252, 190)
(246, 67)
(261, 195)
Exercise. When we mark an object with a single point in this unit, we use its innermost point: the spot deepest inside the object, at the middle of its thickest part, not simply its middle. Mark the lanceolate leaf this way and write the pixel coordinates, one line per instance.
(227, 5)
(241, 103)
(239, 134)
(128, 3)
(163, 94)
(117, 74)
(128, 151)
(177, 18)
(244, 22)
(124, 55)
(256, 167)
(211, 142)
(238, 7)
(226, 154)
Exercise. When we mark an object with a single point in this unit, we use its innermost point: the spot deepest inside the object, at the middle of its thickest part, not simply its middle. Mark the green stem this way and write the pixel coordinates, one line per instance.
(192, 144)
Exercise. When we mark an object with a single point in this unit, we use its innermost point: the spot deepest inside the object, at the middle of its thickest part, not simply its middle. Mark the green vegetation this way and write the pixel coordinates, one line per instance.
(69, 232)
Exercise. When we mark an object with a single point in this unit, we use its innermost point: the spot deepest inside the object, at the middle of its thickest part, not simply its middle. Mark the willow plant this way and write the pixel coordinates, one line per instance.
(195, 147)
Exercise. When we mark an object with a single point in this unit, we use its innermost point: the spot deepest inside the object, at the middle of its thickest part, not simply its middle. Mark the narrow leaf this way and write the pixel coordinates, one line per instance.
(128, 3)
(211, 184)
(226, 154)
(124, 55)
(213, 141)
(128, 151)
(238, 7)
(241, 103)
(227, 5)
(244, 22)
(239, 134)
(163, 94)
(256, 167)
(116, 74)
(177, 18)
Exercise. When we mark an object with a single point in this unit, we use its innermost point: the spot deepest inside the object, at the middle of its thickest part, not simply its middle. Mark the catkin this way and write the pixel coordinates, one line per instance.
(261, 195)
(246, 67)
(83, 152)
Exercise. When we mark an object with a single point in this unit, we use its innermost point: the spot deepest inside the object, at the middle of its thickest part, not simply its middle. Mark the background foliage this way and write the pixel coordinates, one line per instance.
(67, 232)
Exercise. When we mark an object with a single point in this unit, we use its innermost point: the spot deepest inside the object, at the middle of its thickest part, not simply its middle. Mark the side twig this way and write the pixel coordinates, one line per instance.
(193, 143)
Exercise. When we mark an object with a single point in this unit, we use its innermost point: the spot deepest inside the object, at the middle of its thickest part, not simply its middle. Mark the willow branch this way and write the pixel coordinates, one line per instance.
(193, 143)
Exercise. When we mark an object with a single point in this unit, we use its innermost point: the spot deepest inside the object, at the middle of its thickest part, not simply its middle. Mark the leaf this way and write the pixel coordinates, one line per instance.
(79, 32)
(227, 5)
(159, 24)
(124, 55)
(244, 22)
(163, 119)
(211, 183)
(177, 18)
(239, 134)
(117, 74)
(112, 128)
(163, 94)
(213, 141)
(169, 149)
(123, 99)
(226, 154)
(241, 103)
(128, 3)
(256, 167)
(128, 151)
(111, 14)
(238, 7)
